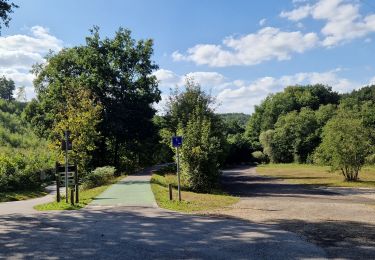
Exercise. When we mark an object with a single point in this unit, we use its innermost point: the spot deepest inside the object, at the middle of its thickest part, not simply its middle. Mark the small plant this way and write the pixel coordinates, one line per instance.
(259, 157)
(100, 176)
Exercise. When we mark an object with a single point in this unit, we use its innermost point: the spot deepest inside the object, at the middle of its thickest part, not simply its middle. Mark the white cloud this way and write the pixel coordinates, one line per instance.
(169, 79)
(343, 21)
(298, 13)
(262, 22)
(242, 97)
(19, 52)
(268, 43)
(372, 81)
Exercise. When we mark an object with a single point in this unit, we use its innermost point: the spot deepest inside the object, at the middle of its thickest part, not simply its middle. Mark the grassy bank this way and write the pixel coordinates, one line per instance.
(85, 197)
(191, 201)
(316, 175)
(21, 195)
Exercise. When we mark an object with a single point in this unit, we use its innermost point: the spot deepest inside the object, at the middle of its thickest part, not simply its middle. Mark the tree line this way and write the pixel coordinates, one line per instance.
(313, 124)
(104, 92)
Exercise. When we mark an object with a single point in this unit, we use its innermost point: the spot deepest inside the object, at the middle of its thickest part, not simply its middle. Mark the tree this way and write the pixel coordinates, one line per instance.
(191, 115)
(21, 94)
(293, 98)
(345, 144)
(80, 115)
(6, 88)
(118, 73)
(200, 153)
(6, 9)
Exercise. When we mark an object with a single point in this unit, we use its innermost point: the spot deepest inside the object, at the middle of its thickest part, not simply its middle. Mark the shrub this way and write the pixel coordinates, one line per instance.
(23, 169)
(259, 157)
(100, 176)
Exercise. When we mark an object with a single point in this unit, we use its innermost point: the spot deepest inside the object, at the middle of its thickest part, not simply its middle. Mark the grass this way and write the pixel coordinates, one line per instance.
(191, 201)
(85, 197)
(21, 195)
(316, 175)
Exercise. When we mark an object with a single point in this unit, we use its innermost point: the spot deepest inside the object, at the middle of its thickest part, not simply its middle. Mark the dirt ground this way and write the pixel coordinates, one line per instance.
(341, 221)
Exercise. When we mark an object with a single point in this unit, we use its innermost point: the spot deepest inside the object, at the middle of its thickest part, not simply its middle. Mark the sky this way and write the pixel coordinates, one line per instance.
(239, 51)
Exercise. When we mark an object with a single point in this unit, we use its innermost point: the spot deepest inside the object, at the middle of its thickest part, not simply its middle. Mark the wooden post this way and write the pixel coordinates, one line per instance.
(72, 197)
(58, 197)
(170, 191)
(76, 183)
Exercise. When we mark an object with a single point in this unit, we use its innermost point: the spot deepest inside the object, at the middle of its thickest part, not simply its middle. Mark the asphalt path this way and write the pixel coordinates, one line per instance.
(144, 232)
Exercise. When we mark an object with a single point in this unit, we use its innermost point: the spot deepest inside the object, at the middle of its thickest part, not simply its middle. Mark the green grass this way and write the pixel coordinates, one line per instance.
(85, 197)
(21, 195)
(191, 201)
(316, 175)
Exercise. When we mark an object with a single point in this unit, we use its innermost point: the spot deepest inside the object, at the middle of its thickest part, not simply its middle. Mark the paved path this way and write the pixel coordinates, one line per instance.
(27, 206)
(134, 190)
(340, 220)
(143, 232)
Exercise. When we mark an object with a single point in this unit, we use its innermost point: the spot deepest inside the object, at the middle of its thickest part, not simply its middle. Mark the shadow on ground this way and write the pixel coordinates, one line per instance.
(126, 233)
(340, 239)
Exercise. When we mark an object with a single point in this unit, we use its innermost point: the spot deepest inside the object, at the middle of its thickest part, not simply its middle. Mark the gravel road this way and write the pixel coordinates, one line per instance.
(340, 220)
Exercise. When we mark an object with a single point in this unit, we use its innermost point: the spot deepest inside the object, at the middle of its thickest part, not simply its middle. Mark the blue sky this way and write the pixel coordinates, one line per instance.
(240, 51)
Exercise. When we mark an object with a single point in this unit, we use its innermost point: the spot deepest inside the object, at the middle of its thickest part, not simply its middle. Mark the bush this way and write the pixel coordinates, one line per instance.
(23, 169)
(259, 157)
(100, 176)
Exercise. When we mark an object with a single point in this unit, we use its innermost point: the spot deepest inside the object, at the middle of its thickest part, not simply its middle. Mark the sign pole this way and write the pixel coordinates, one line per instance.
(178, 175)
(66, 166)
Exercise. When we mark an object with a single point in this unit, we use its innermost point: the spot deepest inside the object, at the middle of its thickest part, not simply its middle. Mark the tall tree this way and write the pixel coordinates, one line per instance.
(7, 87)
(6, 9)
(191, 114)
(118, 73)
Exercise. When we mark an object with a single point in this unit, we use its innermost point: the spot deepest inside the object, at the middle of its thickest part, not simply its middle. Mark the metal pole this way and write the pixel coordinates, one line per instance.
(66, 166)
(57, 182)
(178, 175)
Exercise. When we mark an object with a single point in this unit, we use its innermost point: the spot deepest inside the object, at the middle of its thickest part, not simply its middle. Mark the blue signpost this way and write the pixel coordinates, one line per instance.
(177, 142)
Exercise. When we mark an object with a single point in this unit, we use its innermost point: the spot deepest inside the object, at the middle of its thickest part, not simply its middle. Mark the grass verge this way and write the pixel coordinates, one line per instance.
(21, 195)
(191, 201)
(85, 197)
(316, 175)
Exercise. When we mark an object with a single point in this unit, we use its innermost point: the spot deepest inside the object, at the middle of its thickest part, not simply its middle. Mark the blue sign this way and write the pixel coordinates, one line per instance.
(177, 141)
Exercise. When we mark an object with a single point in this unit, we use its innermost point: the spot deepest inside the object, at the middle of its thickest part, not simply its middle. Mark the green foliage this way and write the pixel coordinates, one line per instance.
(238, 149)
(345, 144)
(293, 98)
(191, 115)
(81, 115)
(117, 74)
(235, 122)
(364, 94)
(6, 86)
(259, 157)
(100, 176)
(6, 9)
(25, 162)
(200, 153)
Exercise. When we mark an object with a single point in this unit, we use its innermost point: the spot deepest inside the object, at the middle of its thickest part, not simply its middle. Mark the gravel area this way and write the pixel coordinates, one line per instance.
(340, 220)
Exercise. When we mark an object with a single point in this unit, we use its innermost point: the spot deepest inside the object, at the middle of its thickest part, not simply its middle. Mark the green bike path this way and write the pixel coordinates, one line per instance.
(133, 190)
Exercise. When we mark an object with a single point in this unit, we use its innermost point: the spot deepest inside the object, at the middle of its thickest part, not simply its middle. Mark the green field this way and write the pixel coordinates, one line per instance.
(191, 201)
(316, 175)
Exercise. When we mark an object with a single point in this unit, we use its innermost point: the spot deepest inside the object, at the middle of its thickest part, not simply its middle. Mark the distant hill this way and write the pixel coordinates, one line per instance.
(241, 118)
